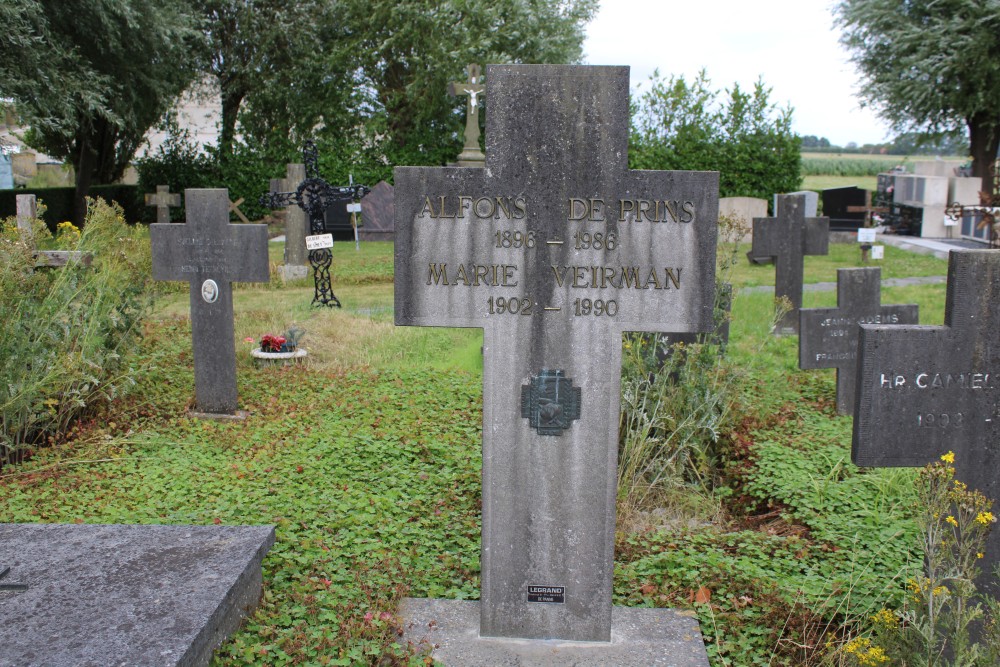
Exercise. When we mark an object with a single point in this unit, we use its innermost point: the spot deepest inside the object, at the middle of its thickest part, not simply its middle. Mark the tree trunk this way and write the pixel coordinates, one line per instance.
(231, 100)
(84, 175)
(984, 140)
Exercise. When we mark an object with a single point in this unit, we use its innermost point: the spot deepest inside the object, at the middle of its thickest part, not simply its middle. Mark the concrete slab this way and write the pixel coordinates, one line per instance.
(110, 595)
(640, 637)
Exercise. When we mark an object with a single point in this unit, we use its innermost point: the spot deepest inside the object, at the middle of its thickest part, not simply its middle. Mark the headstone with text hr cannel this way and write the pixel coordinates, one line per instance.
(925, 390)
(788, 237)
(555, 249)
(828, 337)
(211, 254)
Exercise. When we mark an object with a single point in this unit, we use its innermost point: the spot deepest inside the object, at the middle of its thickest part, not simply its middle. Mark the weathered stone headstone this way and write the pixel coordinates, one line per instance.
(127, 595)
(811, 207)
(163, 200)
(6, 171)
(788, 238)
(211, 254)
(471, 155)
(925, 390)
(828, 337)
(555, 249)
(296, 224)
(377, 213)
(27, 213)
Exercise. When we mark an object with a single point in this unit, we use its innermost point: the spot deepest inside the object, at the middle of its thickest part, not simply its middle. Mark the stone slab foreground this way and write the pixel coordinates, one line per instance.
(639, 637)
(112, 595)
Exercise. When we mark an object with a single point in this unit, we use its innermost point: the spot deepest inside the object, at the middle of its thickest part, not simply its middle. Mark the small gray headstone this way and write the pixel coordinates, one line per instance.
(828, 337)
(211, 254)
(788, 238)
(377, 212)
(555, 249)
(126, 595)
(925, 390)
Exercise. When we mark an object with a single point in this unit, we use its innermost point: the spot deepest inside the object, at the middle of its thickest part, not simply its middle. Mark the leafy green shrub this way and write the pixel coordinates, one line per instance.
(177, 163)
(677, 125)
(66, 332)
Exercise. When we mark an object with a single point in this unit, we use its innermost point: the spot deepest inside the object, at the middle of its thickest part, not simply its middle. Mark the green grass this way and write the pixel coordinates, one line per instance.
(823, 268)
(367, 459)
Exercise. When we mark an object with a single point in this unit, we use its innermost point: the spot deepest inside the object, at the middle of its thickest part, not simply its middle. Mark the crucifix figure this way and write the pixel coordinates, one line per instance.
(555, 249)
(470, 156)
(163, 200)
(828, 337)
(211, 254)
(314, 195)
(788, 237)
(927, 390)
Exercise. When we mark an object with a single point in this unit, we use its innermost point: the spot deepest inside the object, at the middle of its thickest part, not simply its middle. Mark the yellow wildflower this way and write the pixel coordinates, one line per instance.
(949, 457)
(979, 554)
(985, 518)
(950, 519)
(885, 618)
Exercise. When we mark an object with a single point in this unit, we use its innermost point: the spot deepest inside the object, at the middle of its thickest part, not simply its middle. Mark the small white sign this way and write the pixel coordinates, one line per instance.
(354, 208)
(866, 235)
(949, 222)
(319, 241)
(878, 252)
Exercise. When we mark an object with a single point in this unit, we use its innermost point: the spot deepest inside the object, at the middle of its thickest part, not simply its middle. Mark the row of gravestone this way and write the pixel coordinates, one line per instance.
(555, 249)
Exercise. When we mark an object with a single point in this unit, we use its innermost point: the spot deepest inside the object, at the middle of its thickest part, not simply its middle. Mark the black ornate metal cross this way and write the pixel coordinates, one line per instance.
(314, 195)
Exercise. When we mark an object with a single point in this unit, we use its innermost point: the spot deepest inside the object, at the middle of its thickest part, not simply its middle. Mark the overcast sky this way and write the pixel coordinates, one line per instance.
(792, 44)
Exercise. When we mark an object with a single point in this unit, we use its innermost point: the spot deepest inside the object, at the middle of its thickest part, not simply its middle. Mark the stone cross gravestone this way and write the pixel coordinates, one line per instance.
(211, 254)
(471, 155)
(163, 200)
(925, 390)
(788, 238)
(828, 337)
(555, 249)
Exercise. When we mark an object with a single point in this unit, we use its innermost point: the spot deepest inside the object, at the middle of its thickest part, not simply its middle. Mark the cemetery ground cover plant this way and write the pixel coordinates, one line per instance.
(367, 459)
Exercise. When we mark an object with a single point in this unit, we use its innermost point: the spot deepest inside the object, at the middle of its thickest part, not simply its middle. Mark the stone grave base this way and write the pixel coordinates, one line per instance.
(640, 637)
(126, 595)
(237, 416)
(293, 272)
(284, 358)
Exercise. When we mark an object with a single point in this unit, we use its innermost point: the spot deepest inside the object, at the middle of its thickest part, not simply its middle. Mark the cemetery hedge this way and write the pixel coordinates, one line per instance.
(367, 460)
(59, 202)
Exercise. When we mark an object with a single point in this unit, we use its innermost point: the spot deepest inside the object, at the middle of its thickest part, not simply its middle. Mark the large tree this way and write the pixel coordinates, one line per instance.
(407, 51)
(282, 59)
(95, 76)
(931, 66)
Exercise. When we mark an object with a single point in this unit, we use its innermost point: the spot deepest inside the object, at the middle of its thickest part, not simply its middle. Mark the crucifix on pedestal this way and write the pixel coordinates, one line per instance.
(470, 156)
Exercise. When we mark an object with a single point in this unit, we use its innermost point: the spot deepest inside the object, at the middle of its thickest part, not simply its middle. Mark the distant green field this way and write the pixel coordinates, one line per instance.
(820, 183)
(840, 164)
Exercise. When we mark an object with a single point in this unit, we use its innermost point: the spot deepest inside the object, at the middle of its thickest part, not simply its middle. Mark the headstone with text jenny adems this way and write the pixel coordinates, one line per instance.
(926, 390)
(828, 337)
(788, 237)
(555, 249)
(211, 254)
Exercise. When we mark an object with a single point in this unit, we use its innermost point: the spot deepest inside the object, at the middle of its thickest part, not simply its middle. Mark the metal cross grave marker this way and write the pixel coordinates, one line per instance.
(471, 155)
(925, 390)
(163, 200)
(314, 195)
(788, 238)
(211, 253)
(828, 337)
(555, 249)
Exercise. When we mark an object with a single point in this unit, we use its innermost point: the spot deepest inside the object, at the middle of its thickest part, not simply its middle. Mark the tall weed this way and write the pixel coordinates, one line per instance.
(65, 332)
